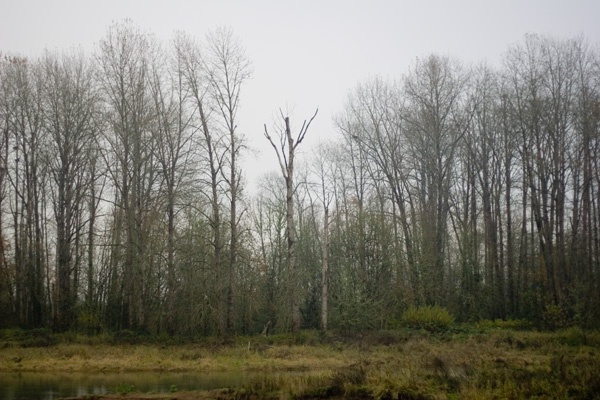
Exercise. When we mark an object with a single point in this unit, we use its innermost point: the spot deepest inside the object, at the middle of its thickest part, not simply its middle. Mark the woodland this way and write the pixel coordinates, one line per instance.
(123, 203)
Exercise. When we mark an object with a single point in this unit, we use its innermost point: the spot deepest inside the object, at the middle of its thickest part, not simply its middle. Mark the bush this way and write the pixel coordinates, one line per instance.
(430, 318)
(126, 337)
(387, 337)
(573, 336)
(39, 337)
(357, 312)
(89, 322)
(555, 317)
(14, 334)
(509, 324)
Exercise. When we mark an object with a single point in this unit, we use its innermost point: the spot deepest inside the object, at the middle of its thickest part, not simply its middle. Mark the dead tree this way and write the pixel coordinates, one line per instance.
(285, 155)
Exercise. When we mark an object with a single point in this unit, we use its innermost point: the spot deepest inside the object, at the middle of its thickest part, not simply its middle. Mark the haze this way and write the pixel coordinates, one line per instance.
(307, 54)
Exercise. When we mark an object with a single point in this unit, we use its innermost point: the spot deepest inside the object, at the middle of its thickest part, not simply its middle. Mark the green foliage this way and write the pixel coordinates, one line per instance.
(89, 322)
(511, 324)
(356, 313)
(127, 337)
(555, 317)
(429, 318)
(11, 334)
(305, 337)
(38, 338)
(575, 337)
(387, 337)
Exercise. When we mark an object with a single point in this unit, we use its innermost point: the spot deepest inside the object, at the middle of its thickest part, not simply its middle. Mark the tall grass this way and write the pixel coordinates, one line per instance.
(465, 362)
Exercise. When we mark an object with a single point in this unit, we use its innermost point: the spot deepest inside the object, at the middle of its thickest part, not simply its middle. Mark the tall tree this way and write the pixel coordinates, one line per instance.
(324, 171)
(228, 70)
(542, 80)
(197, 78)
(69, 110)
(174, 136)
(269, 224)
(374, 124)
(286, 151)
(24, 99)
(485, 143)
(585, 257)
(125, 59)
(7, 275)
(435, 124)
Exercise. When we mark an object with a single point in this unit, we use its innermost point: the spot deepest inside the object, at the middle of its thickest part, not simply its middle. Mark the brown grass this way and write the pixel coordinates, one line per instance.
(406, 365)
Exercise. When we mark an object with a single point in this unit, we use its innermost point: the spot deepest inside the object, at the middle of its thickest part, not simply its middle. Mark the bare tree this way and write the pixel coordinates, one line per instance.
(286, 151)
(435, 125)
(23, 93)
(585, 248)
(538, 73)
(268, 227)
(7, 276)
(125, 59)
(228, 69)
(373, 123)
(197, 78)
(324, 171)
(69, 110)
(174, 136)
(485, 150)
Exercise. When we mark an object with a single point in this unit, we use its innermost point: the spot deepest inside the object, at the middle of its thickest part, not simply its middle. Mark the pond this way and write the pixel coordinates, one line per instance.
(50, 386)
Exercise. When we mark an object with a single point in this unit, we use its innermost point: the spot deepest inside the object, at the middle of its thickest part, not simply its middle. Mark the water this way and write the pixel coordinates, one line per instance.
(50, 386)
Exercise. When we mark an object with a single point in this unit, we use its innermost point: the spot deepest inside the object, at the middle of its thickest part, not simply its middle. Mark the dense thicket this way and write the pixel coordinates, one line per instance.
(122, 204)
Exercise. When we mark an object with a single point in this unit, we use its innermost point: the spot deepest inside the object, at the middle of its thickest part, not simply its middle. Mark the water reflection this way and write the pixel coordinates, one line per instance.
(50, 386)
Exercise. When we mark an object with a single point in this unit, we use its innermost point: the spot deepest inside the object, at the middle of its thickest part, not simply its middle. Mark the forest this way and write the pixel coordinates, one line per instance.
(123, 203)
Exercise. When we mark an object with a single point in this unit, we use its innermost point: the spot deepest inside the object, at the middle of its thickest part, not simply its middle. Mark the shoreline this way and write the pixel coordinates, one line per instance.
(464, 364)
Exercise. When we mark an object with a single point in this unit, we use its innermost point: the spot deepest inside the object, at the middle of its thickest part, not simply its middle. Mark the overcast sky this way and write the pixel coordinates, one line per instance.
(307, 54)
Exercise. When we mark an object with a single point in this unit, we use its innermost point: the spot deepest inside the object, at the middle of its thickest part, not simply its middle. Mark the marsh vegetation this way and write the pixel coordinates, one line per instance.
(488, 360)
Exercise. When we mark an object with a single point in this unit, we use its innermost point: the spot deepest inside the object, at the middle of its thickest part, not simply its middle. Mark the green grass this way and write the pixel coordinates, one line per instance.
(464, 362)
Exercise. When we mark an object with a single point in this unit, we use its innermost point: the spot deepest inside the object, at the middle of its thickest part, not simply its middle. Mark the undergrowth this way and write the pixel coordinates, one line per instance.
(492, 359)
(429, 318)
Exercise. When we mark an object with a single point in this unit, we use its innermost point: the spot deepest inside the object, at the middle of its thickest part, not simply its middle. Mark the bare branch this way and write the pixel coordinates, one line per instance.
(281, 164)
(304, 129)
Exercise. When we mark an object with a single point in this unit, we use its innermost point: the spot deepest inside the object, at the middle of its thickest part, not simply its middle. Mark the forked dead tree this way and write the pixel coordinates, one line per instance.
(285, 155)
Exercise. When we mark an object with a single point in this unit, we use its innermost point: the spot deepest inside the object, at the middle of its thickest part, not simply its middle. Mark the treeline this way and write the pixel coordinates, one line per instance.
(122, 203)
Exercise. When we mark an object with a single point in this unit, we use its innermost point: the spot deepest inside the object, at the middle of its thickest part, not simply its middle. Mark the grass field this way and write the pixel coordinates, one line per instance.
(466, 362)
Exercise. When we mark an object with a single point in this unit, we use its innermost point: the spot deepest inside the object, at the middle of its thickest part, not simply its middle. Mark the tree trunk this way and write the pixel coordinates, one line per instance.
(287, 169)
(325, 271)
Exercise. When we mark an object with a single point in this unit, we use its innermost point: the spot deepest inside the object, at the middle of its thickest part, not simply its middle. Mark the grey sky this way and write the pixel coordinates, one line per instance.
(307, 54)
